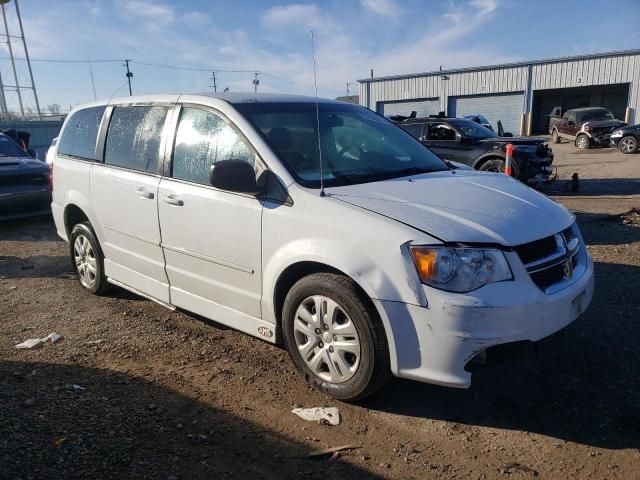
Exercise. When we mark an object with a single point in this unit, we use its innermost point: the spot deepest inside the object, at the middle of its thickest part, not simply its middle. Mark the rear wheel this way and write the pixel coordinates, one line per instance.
(583, 142)
(335, 337)
(628, 145)
(555, 138)
(87, 259)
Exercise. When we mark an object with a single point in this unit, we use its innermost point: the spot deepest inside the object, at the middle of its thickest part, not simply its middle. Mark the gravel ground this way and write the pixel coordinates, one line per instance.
(167, 395)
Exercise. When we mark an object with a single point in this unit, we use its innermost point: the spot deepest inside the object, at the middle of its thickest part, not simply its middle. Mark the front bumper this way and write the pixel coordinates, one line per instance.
(434, 343)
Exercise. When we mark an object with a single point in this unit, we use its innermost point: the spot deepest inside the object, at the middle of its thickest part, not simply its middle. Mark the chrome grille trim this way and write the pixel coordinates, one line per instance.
(567, 254)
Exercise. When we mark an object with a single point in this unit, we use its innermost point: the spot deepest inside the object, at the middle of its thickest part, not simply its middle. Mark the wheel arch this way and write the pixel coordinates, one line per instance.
(299, 269)
(73, 215)
(485, 158)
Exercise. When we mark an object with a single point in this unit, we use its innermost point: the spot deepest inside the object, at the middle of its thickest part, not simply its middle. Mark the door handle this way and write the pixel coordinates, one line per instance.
(172, 200)
(144, 193)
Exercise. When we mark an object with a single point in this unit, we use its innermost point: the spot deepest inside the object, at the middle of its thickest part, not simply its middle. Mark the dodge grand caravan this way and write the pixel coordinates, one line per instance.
(320, 225)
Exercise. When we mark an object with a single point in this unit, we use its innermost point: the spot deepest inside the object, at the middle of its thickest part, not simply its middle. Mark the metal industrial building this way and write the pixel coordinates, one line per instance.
(521, 95)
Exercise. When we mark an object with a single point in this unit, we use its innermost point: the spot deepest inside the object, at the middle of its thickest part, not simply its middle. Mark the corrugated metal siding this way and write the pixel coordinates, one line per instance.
(423, 108)
(504, 107)
(596, 70)
(585, 72)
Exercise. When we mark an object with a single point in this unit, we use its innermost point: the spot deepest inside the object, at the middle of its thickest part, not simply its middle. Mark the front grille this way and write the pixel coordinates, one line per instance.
(546, 278)
(23, 179)
(536, 250)
(546, 259)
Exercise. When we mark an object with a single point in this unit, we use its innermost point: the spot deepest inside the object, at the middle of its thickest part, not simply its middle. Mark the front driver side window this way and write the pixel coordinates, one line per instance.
(440, 131)
(203, 138)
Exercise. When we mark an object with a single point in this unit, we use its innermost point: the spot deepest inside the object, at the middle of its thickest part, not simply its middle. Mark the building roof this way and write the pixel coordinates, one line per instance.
(505, 65)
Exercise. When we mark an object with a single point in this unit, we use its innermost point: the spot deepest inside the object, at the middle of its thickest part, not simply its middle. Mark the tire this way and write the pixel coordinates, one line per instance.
(497, 164)
(555, 138)
(583, 142)
(87, 259)
(628, 144)
(346, 372)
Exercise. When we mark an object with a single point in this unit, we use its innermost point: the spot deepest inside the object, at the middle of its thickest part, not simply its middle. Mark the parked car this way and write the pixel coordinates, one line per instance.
(626, 138)
(587, 127)
(24, 182)
(464, 141)
(480, 119)
(365, 254)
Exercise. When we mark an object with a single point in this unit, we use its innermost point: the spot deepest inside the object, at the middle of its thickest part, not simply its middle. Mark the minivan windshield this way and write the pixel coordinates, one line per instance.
(357, 145)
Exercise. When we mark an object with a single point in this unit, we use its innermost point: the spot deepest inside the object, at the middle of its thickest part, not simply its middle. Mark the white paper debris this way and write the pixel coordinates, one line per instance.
(30, 344)
(33, 343)
(323, 415)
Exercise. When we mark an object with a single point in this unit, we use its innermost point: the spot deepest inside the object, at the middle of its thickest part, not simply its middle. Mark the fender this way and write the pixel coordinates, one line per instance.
(373, 282)
(75, 197)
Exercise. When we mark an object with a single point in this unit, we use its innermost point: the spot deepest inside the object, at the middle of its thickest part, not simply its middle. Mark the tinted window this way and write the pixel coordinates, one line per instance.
(413, 129)
(80, 133)
(9, 148)
(133, 139)
(202, 139)
(472, 130)
(440, 131)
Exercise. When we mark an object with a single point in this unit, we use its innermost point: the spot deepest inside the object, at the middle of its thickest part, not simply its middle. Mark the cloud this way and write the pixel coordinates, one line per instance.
(386, 8)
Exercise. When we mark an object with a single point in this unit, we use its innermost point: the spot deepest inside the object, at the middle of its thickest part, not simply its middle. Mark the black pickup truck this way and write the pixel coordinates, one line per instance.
(463, 141)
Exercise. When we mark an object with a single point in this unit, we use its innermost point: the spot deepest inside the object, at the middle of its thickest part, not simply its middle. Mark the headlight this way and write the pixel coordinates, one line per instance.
(460, 269)
(617, 133)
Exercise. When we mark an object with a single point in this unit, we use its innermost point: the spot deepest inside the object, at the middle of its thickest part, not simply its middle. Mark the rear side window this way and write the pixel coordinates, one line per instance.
(133, 138)
(413, 129)
(80, 133)
(203, 138)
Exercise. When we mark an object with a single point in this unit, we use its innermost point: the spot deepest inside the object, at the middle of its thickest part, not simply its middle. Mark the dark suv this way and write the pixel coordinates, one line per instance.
(464, 141)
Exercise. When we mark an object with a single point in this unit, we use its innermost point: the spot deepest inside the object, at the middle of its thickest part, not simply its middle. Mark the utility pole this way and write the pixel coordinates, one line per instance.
(348, 83)
(256, 82)
(93, 83)
(213, 78)
(129, 75)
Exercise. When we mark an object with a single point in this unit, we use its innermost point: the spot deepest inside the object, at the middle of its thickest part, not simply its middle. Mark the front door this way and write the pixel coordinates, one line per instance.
(211, 238)
(442, 140)
(124, 194)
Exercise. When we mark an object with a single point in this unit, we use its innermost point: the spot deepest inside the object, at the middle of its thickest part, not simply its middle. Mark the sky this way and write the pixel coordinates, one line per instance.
(236, 38)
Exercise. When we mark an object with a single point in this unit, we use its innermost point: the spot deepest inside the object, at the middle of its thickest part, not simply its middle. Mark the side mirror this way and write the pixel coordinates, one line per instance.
(459, 138)
(570, 122)
(234, 176)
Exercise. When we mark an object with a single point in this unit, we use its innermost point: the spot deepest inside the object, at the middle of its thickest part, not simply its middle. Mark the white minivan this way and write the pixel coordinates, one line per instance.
(318, 224)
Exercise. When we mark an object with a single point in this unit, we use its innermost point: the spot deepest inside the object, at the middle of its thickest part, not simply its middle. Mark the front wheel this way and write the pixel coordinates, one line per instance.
(498, 165)
(583, 142)
(335, 337)
(628, 145)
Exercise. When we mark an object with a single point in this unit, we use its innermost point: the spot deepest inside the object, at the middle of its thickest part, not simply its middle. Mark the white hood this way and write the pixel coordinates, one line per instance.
(465, 206)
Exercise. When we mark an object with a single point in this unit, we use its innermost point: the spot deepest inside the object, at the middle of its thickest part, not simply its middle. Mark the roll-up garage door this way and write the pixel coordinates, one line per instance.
(423, 108)
(507, 108)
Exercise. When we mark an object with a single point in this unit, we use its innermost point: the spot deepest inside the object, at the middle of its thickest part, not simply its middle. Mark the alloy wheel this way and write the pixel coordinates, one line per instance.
(86, 262)
(327, 339)
(627, 145)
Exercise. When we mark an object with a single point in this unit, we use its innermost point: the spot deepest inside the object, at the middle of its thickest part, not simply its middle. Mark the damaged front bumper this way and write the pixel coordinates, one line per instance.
(434, 343)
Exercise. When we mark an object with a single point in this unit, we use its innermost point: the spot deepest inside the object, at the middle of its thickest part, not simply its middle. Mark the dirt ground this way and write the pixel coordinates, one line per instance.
(137, 391)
